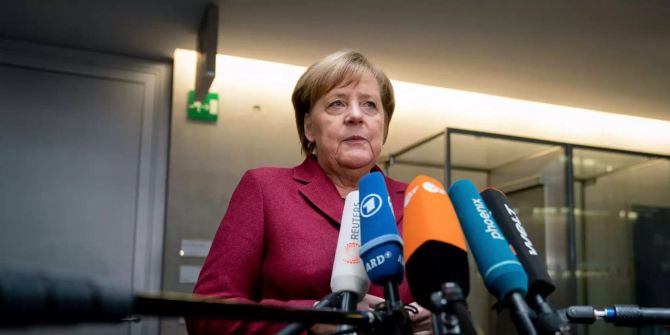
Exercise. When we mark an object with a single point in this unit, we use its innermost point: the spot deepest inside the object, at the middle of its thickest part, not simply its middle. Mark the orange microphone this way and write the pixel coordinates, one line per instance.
(435, 249)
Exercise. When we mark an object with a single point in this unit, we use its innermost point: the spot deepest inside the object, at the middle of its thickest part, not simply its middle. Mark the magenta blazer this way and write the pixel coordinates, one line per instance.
(276, 244)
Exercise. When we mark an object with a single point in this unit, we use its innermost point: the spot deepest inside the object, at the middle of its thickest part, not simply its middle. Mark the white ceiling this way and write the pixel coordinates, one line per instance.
(605, 55)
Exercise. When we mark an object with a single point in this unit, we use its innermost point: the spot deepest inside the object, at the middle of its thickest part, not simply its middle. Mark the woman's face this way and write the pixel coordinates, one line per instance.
(347, 125)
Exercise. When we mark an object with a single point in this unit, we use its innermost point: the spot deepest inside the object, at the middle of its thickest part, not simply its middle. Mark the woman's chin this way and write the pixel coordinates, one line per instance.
(356, 160)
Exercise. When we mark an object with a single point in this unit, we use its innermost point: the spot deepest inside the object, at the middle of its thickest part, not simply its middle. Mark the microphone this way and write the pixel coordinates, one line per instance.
(348, 282)
(32, 298)
(349, 278)
(29, 297)
(619, 315)
(381, 249)
(381, 246)
(503, 275)
(435, 250)
(539, 280)
(540, 284)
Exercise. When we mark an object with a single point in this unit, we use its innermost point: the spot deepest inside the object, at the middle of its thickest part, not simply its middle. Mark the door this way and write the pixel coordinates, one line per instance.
(82, 165)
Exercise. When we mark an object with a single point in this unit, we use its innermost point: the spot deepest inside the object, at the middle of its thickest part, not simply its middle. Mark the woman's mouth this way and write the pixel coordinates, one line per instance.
(355, 138)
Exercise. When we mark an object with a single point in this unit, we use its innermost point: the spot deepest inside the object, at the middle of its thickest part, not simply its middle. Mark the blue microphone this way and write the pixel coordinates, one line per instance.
(381, 245)
(503, 275)
(381, 249)
(500, 269)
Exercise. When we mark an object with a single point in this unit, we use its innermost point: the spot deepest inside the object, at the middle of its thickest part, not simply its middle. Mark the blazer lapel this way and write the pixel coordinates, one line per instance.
(318, 189)
(397, 193)
(323, 195)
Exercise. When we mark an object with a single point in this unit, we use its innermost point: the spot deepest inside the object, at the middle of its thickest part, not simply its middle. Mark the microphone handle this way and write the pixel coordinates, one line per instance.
(619, 315)
(399, 319)
(436, 322)
(521, 315)
(392, 295)
(460, 310)
(456, 305)
(635, 316)
(547, 320)
(347, 303)
(299, 327)
(455, 319)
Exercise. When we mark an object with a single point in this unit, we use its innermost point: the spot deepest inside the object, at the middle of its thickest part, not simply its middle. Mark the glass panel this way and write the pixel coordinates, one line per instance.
(482, 152)
(624, 232)
(425, 158)
(533, 177)
(622, 219)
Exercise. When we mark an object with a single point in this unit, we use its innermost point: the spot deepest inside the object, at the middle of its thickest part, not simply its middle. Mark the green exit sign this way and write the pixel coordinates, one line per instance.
(207, 110)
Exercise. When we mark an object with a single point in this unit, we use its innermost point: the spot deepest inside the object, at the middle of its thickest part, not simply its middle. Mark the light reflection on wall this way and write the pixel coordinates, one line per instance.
(422, 110)
(541, 212)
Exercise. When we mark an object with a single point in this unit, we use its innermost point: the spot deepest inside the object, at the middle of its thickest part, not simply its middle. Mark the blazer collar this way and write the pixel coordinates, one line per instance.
(323, 195)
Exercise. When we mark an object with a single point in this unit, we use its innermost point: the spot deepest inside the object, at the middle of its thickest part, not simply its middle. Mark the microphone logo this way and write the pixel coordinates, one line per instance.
(521, 230)
(350, 254)
(370, 205)
(486, 217)
(432, 188)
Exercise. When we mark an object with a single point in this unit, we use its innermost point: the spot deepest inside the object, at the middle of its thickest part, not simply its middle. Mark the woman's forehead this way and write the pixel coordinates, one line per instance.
(354, 80)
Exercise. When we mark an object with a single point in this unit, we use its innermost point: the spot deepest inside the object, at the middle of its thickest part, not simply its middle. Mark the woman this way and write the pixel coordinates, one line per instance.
(277, 240)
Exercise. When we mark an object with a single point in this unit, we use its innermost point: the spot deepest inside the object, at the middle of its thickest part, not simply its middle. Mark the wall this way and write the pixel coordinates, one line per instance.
(208, 160)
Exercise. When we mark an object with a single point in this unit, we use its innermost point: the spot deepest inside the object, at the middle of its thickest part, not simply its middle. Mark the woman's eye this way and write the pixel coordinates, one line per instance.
(336, 103)
(370, 104)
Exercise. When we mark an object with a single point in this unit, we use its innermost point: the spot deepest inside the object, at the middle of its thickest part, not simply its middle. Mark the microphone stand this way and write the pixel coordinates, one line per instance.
(521, 314)
(398, 322)
(298, 327)
(442, 321)
(451, 315)
(547, 321)
(207, 308)
(347, 303)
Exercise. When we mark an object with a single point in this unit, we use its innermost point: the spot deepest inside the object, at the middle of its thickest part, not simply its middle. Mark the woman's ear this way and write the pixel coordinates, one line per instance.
(307, 127)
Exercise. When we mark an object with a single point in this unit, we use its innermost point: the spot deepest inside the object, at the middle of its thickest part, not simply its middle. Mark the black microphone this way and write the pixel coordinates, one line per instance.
(29, 297)
(501, 271)
(540, 284)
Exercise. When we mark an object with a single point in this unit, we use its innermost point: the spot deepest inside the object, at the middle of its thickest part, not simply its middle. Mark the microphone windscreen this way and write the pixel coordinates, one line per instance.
(500, 269)
(539, 281)
(435, 250)
(29, 297)
(348, 272)
(381, 245)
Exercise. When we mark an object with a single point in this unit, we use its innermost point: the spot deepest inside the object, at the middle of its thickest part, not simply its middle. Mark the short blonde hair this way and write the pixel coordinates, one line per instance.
(338, 69)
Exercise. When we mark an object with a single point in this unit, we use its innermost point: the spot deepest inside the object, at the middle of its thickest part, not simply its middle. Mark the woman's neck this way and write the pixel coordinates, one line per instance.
(345, 180)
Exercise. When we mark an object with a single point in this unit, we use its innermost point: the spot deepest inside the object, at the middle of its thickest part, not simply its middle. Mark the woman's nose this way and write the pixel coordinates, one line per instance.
(355, 115)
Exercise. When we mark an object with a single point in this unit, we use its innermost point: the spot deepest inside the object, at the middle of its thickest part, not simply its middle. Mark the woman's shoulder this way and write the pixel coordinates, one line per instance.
(269, 171)
(268, 174)
(304, 170)
(265, 179)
